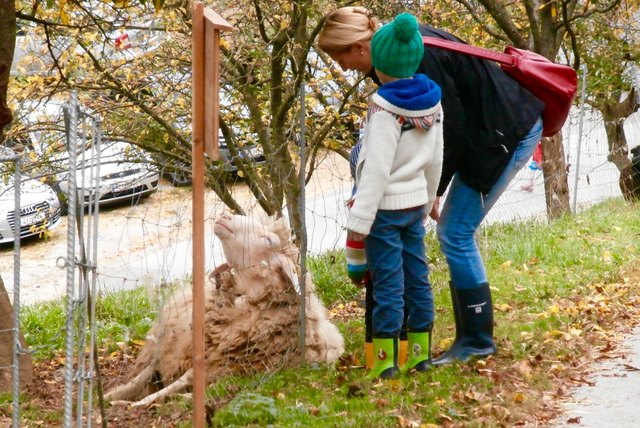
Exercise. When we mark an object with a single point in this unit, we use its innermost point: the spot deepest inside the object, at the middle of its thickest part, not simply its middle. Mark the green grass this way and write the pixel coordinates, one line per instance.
(120, 317)
(548, 282)
(330, 276)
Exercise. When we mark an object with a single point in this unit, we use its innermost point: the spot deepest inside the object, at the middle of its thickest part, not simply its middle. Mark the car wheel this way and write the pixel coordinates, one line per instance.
(179, 179)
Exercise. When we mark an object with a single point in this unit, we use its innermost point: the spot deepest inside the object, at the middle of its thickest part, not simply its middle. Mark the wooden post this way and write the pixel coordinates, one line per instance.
(205, 63)
(197, 172)
(213, 25)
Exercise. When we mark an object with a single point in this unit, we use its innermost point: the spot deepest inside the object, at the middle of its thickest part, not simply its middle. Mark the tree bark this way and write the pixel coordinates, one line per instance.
(6, 347)
(614, 114)
(7, 46)
(556, 185)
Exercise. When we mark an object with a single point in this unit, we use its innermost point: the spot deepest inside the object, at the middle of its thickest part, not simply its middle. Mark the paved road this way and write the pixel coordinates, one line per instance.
(614, 399)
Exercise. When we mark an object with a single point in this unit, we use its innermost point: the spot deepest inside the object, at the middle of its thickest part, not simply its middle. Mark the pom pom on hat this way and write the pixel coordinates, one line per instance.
(405, 26)
(397, 47)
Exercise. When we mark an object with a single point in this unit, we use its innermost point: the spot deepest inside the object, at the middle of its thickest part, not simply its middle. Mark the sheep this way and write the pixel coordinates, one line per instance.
(252, 308)
(630, 177)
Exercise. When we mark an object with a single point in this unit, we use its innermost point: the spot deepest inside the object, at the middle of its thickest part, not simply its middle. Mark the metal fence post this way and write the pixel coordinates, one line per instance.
(70, 263)
(16, 293)
(583, 95)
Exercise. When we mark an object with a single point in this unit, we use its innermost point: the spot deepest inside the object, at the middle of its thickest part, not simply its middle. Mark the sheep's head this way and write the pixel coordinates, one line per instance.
(247, 241)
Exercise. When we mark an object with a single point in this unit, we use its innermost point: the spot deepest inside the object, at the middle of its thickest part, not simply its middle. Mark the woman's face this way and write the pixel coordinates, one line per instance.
(356, 57)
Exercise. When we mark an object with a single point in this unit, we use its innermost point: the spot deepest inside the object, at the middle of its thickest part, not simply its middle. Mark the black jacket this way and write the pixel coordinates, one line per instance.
(486, 114)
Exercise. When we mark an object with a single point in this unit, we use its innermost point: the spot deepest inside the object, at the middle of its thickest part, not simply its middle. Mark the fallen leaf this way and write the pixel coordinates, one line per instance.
(503, 307)
(382, 402)
(355, 390)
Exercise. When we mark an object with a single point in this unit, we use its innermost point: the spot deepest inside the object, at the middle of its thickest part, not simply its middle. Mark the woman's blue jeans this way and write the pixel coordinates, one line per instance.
(396, 257)
(464, 209)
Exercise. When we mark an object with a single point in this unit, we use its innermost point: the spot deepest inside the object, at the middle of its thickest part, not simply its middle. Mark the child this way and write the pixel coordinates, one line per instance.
(359, 274)
(397, 175)
(534, 166)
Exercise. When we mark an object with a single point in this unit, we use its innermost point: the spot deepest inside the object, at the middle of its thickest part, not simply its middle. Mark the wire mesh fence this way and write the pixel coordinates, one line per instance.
(10, 331)
(143, 247)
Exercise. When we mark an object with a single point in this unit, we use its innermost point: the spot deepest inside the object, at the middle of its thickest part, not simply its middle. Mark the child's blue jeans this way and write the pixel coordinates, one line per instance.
(396, 255)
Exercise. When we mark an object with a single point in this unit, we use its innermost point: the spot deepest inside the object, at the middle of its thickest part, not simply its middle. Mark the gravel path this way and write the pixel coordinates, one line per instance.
(150, 243)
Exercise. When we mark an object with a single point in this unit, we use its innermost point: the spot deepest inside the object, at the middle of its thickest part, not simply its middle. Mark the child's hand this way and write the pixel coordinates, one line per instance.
(356, 259)
(358, 282)
(355, 236)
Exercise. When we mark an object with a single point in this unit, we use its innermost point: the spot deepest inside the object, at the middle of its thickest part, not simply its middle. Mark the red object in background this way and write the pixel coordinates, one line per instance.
(122, 42)
(537, 154)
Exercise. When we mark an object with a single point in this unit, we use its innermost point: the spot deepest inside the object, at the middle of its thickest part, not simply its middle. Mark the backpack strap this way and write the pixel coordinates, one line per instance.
(466, 49)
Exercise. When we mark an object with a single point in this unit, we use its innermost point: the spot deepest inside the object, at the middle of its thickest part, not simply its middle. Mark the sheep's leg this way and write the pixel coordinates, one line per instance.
(182, 383)
(133, 388)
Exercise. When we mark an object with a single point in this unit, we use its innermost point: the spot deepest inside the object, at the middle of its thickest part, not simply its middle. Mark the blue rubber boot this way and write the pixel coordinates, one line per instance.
(473, 313)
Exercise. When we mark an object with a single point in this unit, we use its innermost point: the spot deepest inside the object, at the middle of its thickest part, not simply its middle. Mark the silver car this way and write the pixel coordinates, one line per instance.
(125, 172)
(124, 175)
(39, 209)
(179, 173)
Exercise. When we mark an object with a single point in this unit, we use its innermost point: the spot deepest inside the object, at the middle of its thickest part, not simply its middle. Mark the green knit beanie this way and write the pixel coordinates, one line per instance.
(396, 48)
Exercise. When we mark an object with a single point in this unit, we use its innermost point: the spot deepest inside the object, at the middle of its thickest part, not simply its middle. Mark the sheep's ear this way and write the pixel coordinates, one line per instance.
(289, 271)
(214, 276)
(282, 222)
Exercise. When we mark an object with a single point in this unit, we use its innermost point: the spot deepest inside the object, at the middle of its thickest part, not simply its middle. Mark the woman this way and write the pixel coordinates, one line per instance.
(491, 127)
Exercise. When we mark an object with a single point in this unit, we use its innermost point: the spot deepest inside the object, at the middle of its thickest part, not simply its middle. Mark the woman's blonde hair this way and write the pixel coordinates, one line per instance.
(346, 26)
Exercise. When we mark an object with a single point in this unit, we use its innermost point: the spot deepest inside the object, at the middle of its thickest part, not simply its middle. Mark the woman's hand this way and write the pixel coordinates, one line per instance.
(435, 210)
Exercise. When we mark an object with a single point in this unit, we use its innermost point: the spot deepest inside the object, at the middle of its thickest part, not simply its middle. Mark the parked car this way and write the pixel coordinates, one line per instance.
(176, 172)
(125, 175)
(248, 151)
(39, 208)
(126, 172)
(179, 173)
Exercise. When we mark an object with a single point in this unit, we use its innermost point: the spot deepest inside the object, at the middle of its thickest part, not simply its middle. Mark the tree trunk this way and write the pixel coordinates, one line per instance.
(7, 46)
(614, 114)
(6, 346)
(618, 153)
(556, 185)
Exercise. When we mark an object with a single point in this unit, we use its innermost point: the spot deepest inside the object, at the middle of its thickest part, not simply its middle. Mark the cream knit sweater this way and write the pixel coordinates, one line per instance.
(396, 169)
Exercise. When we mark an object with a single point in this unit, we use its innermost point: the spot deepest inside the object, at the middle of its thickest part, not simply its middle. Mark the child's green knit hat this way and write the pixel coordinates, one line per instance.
(397, 48)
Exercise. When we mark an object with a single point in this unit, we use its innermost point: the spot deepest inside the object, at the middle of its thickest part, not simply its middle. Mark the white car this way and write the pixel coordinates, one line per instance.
(39, 209)
(124, 175)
